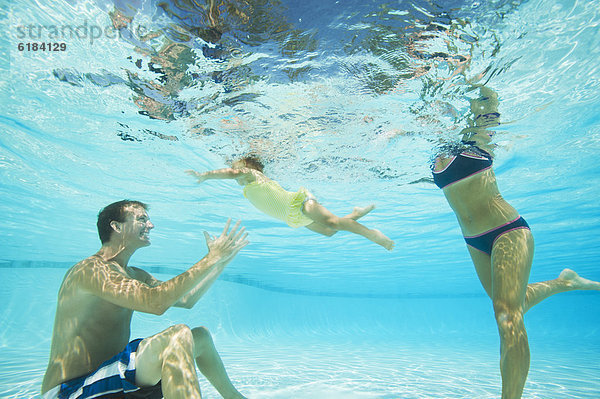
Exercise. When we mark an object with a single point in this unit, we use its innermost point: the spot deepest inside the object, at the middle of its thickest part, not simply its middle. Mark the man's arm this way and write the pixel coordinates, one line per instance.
(105, 281)
(193, 296)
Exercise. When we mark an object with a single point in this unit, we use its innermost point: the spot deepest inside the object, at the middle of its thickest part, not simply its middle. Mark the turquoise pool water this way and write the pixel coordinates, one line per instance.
(349, 99)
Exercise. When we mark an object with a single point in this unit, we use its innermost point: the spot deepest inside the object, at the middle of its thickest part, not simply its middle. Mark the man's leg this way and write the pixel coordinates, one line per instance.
(168, 357)
(210, 364)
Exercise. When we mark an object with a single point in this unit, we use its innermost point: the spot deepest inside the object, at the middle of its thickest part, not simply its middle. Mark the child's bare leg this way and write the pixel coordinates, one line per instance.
(356, 214)
(322, 216)
(360, 211)
(568, 280)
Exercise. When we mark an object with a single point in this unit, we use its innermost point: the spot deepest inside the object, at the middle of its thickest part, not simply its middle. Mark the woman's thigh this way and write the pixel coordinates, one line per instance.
(483, 266)
(512, 256)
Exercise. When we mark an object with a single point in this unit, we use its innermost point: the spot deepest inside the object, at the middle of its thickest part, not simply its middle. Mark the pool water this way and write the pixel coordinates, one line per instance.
(282, 345)
(349, 99)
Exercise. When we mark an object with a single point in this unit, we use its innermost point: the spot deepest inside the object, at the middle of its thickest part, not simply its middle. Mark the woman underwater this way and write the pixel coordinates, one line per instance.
(498, 239)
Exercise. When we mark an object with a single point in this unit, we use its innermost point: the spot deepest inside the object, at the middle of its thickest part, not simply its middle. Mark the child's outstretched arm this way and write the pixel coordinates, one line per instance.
(226, 173)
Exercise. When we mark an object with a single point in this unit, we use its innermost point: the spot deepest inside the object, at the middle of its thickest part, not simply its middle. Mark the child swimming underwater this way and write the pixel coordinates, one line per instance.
(299, 209)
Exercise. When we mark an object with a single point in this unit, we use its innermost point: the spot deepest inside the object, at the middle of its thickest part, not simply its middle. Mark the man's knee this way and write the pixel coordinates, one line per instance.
(179, 335)
(202, 338)
(174, 342)
(179, 330)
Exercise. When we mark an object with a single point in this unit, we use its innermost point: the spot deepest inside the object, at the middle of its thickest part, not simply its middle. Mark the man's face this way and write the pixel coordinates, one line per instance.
(137, 226)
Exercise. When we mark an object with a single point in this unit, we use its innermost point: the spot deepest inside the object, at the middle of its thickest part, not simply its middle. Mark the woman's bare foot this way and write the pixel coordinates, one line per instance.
(578, 283)
(359, 212)
(382, 239)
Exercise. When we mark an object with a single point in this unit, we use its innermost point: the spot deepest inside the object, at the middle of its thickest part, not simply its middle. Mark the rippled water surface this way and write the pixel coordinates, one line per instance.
(350, 99)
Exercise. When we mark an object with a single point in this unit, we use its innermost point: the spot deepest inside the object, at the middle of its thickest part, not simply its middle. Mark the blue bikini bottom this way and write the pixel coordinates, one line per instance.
(485, 241)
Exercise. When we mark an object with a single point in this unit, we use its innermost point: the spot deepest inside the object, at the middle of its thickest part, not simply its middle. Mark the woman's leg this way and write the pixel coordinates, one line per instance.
(320, 215)
(536, 292)
(505, 283)
(568, 280)
(483, 267)
(512, 256)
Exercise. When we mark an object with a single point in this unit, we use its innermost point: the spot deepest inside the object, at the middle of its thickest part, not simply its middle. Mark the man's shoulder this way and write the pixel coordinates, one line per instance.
(88, 265)
(91, 261)
(89, 275)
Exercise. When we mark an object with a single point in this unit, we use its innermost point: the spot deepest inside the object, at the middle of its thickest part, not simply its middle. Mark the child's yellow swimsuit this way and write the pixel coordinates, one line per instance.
(269, 197)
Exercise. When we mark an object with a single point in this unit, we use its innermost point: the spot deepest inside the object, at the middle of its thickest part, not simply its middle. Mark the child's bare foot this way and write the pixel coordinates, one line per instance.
(359, 212)
(576, 282)
(383, 240)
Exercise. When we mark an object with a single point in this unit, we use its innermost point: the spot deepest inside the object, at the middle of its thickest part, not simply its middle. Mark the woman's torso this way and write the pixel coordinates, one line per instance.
(469, 184)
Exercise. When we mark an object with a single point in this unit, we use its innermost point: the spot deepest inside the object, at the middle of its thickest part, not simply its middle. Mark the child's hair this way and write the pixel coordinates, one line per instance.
(251, 161)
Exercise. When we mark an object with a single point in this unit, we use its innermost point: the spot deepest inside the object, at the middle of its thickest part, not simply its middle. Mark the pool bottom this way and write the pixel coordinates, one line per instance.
(312, 368)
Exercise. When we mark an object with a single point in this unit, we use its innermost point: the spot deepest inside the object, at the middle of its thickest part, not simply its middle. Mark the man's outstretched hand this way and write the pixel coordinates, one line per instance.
(224, 247)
